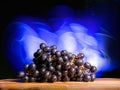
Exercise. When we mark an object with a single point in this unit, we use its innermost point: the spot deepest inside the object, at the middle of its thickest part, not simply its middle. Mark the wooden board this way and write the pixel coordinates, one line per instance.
(98, 84)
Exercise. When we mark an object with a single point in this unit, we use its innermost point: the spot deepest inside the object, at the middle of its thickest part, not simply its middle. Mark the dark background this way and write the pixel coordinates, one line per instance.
(108, 10)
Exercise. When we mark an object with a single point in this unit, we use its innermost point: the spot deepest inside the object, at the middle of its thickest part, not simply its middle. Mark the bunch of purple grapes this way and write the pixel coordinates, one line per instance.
(50, 65)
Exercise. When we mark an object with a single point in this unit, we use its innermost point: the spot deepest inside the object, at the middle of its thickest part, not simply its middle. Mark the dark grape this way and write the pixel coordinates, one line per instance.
(66, 65)
(32, 79)
(72, 72)
(63, 52)
(69, 55)
(60, 60)
(65, 78)
(86, 71)
(53, 51)
(25, 79)
(87, 65)
(49, 59)
(44, 57)
(47, 49)
(51, 68)
(38, 53)
(74, 66)
(53, 78)
(72, 78)
(58, 73)
(80, 78)
(43, 66)
(26, 67)
(79, 62)
(58, 78)
(80, 56)
(65, 73)
(47, 75)
(44, 79)
(92, 77)
(32, 67)
(42, 45)
(58, 67)
(21, 74)
(36, 60)
(65, 58)
(87, 78)
(35, 73)
(93, 69)
(78, 72)
(53, 47)
(43, 70)
(57, 53)
(73, 56)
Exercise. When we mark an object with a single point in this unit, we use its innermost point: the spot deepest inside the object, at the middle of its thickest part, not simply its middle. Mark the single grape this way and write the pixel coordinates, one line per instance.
(51, 68)
(87, 77)
(65, 58)
(36, 60)
(44, 80)
(72, 78)
(53, 51)
(93, 69)
(47, 74)
(63, 52)
(44, 57)
(87, 65)
(57, 53)
(74, 66)
(93, 77)
(21, 74)
(47, 49)
(42, 70)
(43, 66)
(66, 65)
(79, 62)
(73, 56)
(72, 71)
(58, 67)
(58, 78)
(42, 45)
(80, 78)
(38, 53)
(58, 74)
(65, 73)
(78, 72)
(53, 47)
(35, 73)
(26, 67)
(65, 78)
(60, 60)
(53, 78)
(69, 55)
(31, 67)
(25, 79)
(80, 56)
(32, 79)
(49, 59)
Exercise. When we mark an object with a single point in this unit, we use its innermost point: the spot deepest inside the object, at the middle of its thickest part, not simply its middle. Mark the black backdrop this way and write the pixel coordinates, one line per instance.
(108, 9)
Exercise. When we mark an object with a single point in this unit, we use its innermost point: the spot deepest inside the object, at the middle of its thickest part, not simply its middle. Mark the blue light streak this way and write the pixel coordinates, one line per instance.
(25, 35)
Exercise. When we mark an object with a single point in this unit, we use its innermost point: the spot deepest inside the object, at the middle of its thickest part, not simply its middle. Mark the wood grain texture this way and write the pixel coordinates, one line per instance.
(98, 84)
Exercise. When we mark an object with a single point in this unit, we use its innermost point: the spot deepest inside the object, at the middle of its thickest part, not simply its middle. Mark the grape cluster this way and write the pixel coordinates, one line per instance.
(50, 65)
